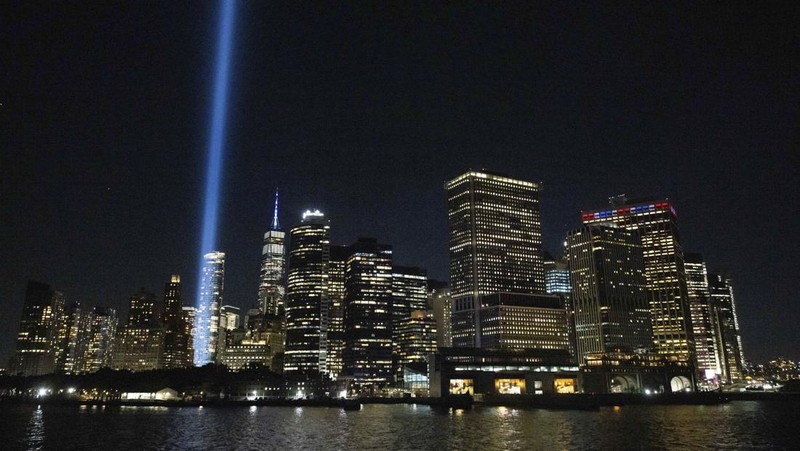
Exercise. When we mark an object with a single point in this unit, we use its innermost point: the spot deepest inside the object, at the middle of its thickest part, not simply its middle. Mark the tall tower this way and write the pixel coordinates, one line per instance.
(608, 289)
(729, 347)
(495, 242)
(271, 291)
(656, 222)
(206, 330)
(367, 311)
(307, 294)
(173, 353)
(703, 320)
(39, 331)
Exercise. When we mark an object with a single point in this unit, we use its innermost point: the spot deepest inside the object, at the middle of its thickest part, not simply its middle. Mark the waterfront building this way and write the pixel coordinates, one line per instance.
(367, 355)
(557, 282)
(656, 222)
(704, 319)
(442, 305)
(38, 339)
(72, 342)
(174, 349)
(639, 371)
(608, 289)
(271, 290)
(409, 293)
(307, 295)
(495, 240)
(335, 335)
(206, 328)
(729, 347)
(416, 340)
(139, 341)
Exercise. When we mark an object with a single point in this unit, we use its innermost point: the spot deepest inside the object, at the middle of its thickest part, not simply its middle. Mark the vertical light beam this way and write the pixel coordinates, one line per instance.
(213, 174)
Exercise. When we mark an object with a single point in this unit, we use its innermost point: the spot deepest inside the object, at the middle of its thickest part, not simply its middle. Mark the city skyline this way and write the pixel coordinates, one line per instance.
(105, 192)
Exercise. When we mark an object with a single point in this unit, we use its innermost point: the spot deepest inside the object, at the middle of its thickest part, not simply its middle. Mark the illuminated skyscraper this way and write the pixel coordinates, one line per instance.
(495, 235)
(206, 329)
(139, 341)
(271, 291)
(38, 338)
(703, 317)
(367, 353)
(416, 339)
(656, 222)
(442, 305)
(175, 341)
(307, 295)
(336, 268)
(729, 349)
(557, 282)
(188, 315)
(100, 340)
(495, 246)
(608, 290)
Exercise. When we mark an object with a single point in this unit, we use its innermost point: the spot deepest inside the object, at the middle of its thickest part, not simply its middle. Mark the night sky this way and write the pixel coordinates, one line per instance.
(365, 112)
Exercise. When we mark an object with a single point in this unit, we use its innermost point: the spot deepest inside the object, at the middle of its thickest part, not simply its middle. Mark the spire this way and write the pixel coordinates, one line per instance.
(275, 225)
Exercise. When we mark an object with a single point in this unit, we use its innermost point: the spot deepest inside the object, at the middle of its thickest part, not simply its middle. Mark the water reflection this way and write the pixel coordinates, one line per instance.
(35, 431)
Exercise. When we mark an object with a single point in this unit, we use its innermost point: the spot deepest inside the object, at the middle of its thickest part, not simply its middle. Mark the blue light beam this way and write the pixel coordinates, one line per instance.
(215, 153)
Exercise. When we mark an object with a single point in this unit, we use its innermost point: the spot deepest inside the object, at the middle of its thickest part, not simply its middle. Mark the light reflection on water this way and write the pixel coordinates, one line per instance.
(385, 427)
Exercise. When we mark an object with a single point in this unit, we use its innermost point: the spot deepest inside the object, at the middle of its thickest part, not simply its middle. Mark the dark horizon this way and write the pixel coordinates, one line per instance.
(365, 112)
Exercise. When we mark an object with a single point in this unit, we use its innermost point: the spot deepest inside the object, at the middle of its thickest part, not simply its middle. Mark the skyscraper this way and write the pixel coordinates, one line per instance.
(336, 269)
(495, 245)
(206, 329)
(495, 235)
(558, 282)
(729, 349)
(442, 305)
(38, 337)
(174, 350)
(656, 222)
(409, 294)
(139, 341)
(307, 294)
(100, 341)
(608, 290)
(703, 316)
(367, 353)
(271, 291)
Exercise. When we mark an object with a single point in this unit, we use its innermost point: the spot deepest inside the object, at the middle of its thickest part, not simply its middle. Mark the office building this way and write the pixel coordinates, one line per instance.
(729, 349)
(307, 295)
(416, 339)
(608, 290)
(174, 351)
(494, 235)
(271, 291)
(442, 305)
(656, 222)
(139, 341)
(38, 338)
(335, 335)
(557, 282)
(703, 317)
(367, 355)
(206, 329)
(188, 316)
(102, 331)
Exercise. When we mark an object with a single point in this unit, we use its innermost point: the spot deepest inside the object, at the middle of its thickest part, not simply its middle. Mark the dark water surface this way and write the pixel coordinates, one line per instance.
(737, 425)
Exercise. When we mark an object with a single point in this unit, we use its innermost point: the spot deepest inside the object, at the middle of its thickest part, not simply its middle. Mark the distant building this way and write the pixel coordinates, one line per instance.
(729, 349)
(409, 294)
(495, 243)
(139, 341)
(558, 282)
(39, 337)
(608, 289)
(367, 353)
(656, 222)
(174, 351)
(229, 321)
(335, 330)
(508, 321)
(704, 320)
(100, 342)
(307, 295)
(188, 316)
(442, 305)
(271, 291)
(416, 339)
(206, 328)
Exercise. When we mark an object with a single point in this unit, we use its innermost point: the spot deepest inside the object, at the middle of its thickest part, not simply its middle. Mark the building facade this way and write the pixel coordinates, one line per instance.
(494, 235)
(656, 222)
(608, 289)
(206, 328)
(140, 340)
(174, 351)
(307, 295)
(704, 321)
(271, 291)
(729, 347)
(39, 335)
